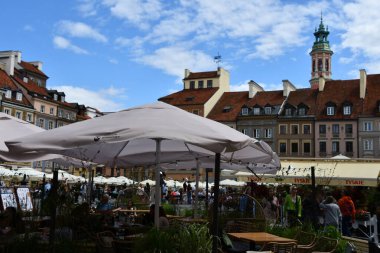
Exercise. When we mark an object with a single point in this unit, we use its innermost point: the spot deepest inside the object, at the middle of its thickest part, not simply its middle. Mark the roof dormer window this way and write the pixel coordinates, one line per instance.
(19, 96)
(256, 111)
(227, 108)
(288, 111)
(347, 110)
(302, 111)
(8, 94)
(62, 98)
(244, 111)
(55, 97)
(189, 99)
(330, 110)
(268, 110)
(200, 84)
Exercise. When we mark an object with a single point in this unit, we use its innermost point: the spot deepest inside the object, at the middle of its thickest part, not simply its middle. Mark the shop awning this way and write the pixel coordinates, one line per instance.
(337, 173)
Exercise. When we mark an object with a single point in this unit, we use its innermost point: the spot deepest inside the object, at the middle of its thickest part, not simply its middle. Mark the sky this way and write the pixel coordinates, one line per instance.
(115, 54)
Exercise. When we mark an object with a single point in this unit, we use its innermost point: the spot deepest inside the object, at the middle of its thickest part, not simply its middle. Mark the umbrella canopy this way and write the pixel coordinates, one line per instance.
(131, 132)
(12, 128)
(4, 172)
(229, 182)
(30, 172)
(149, 181)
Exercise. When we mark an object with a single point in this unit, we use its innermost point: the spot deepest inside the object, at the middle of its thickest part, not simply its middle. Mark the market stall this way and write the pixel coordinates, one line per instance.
(327, 172)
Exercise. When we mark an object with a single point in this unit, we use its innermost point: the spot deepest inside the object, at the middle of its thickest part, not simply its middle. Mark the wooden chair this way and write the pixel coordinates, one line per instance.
(305, 241)
(322, 244)
(280, 247)
(325, 245)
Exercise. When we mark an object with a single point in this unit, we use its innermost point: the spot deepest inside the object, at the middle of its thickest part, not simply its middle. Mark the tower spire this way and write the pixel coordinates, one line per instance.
(321, 55)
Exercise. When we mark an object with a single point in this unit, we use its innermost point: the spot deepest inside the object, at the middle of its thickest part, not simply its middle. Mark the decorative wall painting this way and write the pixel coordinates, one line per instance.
(8, 197)
(24, 199)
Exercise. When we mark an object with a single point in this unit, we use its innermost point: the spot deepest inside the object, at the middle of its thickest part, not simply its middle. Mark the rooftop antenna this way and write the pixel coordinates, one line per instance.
(218, 59)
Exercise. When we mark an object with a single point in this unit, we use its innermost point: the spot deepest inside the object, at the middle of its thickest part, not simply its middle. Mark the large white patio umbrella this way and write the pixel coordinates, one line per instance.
(12, 128)
(106, 139)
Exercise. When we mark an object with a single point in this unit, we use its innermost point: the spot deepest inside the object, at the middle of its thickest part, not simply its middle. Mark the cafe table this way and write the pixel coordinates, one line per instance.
(259, 238)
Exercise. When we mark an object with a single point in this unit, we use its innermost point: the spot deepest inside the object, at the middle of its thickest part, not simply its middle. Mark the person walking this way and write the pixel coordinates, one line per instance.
(271, 206)
(293, 207)
(347, 209)
(331, 210)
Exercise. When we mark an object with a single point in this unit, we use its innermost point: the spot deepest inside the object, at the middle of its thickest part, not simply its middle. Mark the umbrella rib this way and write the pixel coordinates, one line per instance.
(254, 173)
(118, 153)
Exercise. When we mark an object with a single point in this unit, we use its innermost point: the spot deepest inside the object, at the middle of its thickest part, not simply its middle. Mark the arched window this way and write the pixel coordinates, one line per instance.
(320, 65)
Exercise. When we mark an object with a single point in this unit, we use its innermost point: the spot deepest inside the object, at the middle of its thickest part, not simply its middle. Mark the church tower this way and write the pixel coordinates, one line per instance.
(320, 56)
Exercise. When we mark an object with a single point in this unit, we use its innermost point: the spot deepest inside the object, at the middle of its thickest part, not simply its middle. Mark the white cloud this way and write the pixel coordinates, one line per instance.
(135, 45)
(28, 28)
(138, 12)
(173, 60)
(113, 61)
(240, 87)
(63, 43)
(80, 30)
(361, 34)
(87, 7)
(112, 91)
(97, 99)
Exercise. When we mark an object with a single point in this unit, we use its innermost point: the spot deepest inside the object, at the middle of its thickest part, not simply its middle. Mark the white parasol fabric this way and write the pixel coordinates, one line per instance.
(129, 133)
(151, 182)
(33, 174)
(12, 128)
(230, 182)
(4, 172)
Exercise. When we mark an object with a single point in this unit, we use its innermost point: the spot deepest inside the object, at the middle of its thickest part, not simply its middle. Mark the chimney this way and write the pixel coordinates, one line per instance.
(363, 82)
(287, 87)
(321, 83)
(253, 88)
(37, 64)
(187, 73)
(18, 56)
(8, 59)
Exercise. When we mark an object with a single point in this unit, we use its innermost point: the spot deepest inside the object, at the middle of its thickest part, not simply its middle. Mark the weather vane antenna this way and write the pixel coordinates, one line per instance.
(218, 59)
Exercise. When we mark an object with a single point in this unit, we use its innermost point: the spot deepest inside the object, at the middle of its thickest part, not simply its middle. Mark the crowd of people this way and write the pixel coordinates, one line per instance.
(293, 207)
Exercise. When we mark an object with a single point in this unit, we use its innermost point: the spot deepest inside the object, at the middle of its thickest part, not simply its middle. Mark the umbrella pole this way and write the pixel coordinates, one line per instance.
(215, 204)
(53, 210)
(158, 186)
(196, 186)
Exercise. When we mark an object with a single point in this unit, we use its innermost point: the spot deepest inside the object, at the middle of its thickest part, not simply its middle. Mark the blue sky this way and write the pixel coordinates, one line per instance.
(114, 54)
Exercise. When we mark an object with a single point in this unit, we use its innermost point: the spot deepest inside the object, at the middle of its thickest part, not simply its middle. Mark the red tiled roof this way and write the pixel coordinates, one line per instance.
(30, 67)
(189, 96)
(6, 81)
(263, 98)
(372, 97)
(229, 100)
(306, 96)
(83, 117)
(32, 87)
(338, 92)
(201, 75)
